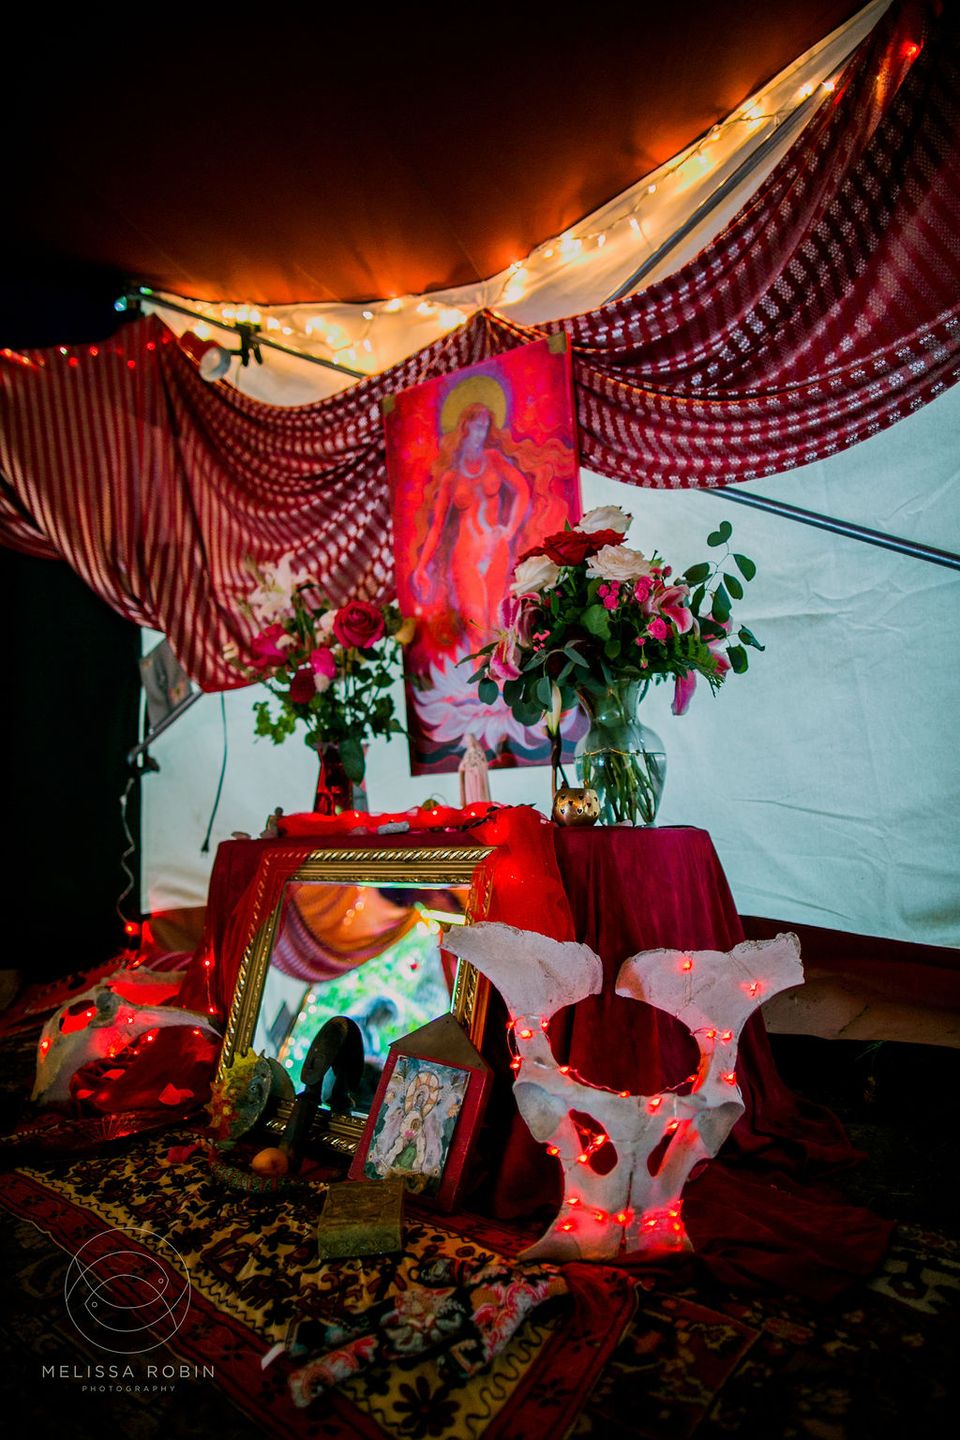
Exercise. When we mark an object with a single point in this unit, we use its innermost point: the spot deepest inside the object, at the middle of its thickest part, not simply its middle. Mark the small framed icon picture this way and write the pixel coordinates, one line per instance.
(426, 1114)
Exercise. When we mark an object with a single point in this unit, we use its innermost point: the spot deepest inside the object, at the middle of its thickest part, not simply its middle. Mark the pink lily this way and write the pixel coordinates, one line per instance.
(672, 603)
(502, 664)
(683, 688)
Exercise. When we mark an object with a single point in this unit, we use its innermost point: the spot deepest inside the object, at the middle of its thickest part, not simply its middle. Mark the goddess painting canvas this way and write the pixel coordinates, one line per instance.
(482, 464)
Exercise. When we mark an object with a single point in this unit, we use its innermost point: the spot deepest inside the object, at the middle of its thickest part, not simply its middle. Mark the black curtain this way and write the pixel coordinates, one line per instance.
(70, 715)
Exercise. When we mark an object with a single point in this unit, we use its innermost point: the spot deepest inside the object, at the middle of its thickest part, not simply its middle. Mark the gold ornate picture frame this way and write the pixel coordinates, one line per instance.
(433, 867)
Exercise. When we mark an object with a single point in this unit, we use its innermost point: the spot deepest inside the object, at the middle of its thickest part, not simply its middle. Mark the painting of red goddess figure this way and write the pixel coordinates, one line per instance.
(482, 464)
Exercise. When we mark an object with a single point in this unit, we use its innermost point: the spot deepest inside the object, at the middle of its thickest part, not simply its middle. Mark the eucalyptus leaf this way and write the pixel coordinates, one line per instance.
(746, 566)
(488, 691)
(697, 573)
(738, 659)
(544, 691)
(720, 609)
(734, 586)
(748, 638)
(597, 620)
(721, 535)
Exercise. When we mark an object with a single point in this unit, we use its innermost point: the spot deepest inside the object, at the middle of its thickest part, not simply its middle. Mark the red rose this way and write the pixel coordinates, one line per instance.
(302, 687)
(572, 547)
(358, 625)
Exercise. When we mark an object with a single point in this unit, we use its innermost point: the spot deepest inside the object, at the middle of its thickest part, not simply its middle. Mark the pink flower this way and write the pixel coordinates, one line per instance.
(266, 646)
(322, 662)
(658, 629)
(324, 668)
(672, 603)
(502, 664)
(610, 594)
(642, 587)
(683, 688)
(522, 615)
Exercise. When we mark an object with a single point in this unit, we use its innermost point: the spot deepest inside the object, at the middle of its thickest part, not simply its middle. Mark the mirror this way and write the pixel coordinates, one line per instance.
(358, 934)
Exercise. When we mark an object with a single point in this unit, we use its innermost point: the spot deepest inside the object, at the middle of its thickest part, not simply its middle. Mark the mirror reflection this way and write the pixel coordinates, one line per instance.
(370, 952)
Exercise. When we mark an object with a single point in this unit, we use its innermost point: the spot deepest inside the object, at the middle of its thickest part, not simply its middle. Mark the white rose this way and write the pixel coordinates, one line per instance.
(605, 517)
(618, 562)
(533, 575)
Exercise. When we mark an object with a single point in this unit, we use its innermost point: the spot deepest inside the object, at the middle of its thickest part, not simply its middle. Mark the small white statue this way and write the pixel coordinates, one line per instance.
(474, 778)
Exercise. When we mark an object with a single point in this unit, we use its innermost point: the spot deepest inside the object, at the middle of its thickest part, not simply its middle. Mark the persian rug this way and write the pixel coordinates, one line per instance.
(245, 1259)
(661, 1353)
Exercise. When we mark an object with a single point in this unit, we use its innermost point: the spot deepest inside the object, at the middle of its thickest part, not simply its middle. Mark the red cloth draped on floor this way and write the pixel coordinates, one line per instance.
(826, 310)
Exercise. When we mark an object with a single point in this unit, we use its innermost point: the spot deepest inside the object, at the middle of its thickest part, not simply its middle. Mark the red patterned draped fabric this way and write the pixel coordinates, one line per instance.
(828, 309)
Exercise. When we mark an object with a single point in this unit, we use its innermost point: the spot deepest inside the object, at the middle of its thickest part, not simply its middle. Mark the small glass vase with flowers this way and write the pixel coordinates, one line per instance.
(591, 622)
(329, 670)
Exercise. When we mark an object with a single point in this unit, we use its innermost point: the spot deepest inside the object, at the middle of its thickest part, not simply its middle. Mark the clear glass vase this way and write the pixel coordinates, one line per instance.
(623, 760)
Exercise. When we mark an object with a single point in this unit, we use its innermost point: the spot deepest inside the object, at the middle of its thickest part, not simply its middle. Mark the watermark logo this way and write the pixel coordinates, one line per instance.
(123, 1299)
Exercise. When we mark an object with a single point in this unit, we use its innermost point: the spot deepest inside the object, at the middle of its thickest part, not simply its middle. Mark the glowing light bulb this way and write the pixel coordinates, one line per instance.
(829, 86)
(393, 305)
(551, 1149)
(806, 91)
(425, 307)
(526, 1034)
(651, 189)
(367, 314)
(686, 963)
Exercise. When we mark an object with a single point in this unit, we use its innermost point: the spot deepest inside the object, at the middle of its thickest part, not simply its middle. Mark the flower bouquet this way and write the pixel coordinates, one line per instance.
(590, 621)
(328, 668)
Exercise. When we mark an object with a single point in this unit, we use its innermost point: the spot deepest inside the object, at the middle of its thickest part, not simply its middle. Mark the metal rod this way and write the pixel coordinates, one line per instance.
(144, 745)
(880, 538)
(261, 339)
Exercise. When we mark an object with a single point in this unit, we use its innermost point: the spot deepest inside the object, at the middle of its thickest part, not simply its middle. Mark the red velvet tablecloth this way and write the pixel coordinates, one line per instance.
(757, 1212)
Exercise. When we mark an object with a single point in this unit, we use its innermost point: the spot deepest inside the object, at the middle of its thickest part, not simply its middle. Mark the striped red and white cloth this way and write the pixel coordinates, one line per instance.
(828, 309)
